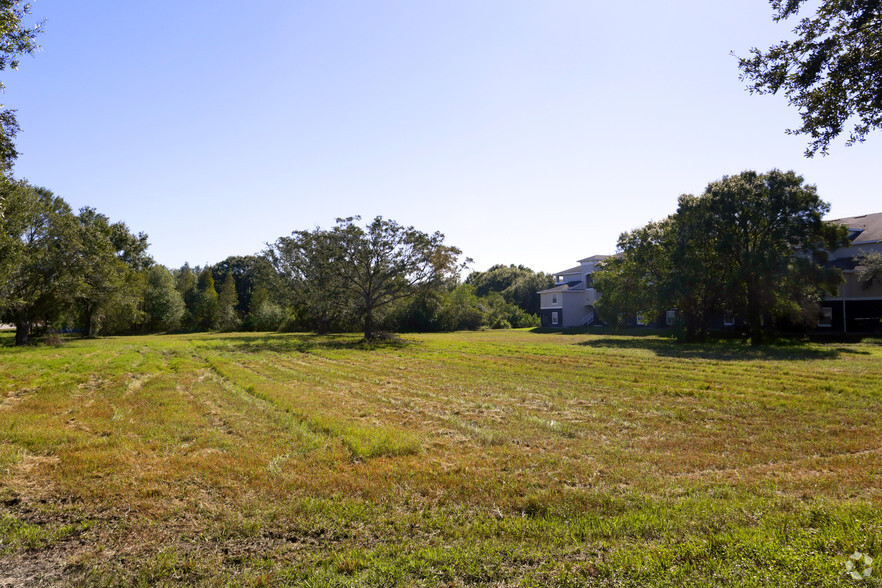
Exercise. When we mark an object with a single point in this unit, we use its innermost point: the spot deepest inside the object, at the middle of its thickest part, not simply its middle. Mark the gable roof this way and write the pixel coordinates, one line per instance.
(594, 258)
(572, 270)
(869, 225)
(565, 286)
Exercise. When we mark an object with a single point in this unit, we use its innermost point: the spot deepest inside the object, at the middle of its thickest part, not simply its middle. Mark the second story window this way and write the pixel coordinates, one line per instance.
(554, 298)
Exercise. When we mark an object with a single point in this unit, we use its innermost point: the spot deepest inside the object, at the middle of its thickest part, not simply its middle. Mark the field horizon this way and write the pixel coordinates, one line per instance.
(498, 458)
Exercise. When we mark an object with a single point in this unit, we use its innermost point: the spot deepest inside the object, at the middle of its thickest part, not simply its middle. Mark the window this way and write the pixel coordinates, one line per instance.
(826, 319)
(554, 318)
(670, 317)
(728, 318)
(554, 298)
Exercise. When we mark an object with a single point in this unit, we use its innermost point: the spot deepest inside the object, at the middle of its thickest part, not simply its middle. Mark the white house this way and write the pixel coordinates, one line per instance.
(570, 302)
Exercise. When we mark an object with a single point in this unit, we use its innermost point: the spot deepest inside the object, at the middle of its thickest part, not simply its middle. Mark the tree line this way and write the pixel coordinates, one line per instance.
(62, 270)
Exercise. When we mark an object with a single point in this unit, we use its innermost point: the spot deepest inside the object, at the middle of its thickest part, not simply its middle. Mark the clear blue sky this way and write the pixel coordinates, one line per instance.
(528, 132)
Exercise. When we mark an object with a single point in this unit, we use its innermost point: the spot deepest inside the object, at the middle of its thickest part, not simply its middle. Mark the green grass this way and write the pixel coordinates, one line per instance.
(505, 458)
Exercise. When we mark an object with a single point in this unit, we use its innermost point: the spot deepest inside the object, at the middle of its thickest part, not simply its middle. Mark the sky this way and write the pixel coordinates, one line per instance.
(528, 132)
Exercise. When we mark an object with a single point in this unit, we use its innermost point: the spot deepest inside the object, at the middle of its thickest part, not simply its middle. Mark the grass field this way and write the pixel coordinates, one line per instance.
(504, 458)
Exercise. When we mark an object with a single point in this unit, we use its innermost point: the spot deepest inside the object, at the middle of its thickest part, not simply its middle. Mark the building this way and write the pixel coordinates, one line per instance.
(570, 302)
(854, 308)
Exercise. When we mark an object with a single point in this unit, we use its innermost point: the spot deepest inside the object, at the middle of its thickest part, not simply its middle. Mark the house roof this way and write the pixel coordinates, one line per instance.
(869, 225)
(572, 270)
(594, 258)
(572, 285)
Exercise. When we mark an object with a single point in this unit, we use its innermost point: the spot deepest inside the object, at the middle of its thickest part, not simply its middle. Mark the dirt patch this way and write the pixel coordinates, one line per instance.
(38, 568)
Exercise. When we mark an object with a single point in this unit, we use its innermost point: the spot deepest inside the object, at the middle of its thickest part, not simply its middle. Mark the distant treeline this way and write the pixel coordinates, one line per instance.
(79, 272)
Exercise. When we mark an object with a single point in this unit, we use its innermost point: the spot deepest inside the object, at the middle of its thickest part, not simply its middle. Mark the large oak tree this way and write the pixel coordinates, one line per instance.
(359, 271)
(752, 243)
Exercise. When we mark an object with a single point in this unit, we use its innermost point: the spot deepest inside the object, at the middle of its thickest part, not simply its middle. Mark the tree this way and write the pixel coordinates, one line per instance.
(250, 272)
(637, 280)
(206, 308)
(752, 243)
(227, 301)
(16, 40)
(163, 304)
(40, 235)
(832, 72)
(14, 196)
(517, 285)
(870, 269)
(107, 257)
(185, 284)
(361, 271)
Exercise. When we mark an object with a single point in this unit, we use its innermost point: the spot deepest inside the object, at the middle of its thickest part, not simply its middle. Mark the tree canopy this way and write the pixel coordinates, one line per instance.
(832, 71)
(360, 271)
(516, 283)
(40, 235)
(754, 244)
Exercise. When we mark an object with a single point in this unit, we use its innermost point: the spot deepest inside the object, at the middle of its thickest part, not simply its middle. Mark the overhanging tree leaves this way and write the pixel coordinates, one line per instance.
(16, 39)
(831, 73)
(360, 271)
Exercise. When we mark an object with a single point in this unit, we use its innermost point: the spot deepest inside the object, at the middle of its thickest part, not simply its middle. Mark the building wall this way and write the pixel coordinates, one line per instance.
(574, 309)
(545, 300)
(852, 289)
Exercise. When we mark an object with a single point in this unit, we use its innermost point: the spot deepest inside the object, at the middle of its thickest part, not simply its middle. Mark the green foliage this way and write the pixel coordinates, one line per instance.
(517, 284)
(752, 243)
(267, 316)
(107, 259)
(830, 72)
(163, 304)
(353, 273)
(638, 280)
(206, 311)
(869, 271)
(40, 238)
(251, 274)
(185, 284)
(460, 309)
(227, 302)
(56, 264)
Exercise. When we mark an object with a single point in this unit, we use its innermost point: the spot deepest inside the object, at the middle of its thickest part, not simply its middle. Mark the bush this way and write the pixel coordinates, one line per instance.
(268, 317)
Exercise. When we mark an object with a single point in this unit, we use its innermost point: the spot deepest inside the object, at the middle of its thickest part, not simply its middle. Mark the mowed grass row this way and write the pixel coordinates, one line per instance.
(497, 458)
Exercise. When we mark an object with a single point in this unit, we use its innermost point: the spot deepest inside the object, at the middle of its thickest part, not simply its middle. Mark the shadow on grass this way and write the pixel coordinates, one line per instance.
(306, 342)
(604, 330)
(721, 351)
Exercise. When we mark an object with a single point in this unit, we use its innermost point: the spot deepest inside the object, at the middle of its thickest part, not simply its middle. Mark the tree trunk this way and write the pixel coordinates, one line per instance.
(88, 322)
(22, 332)
(755, 323)
(368, 324)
